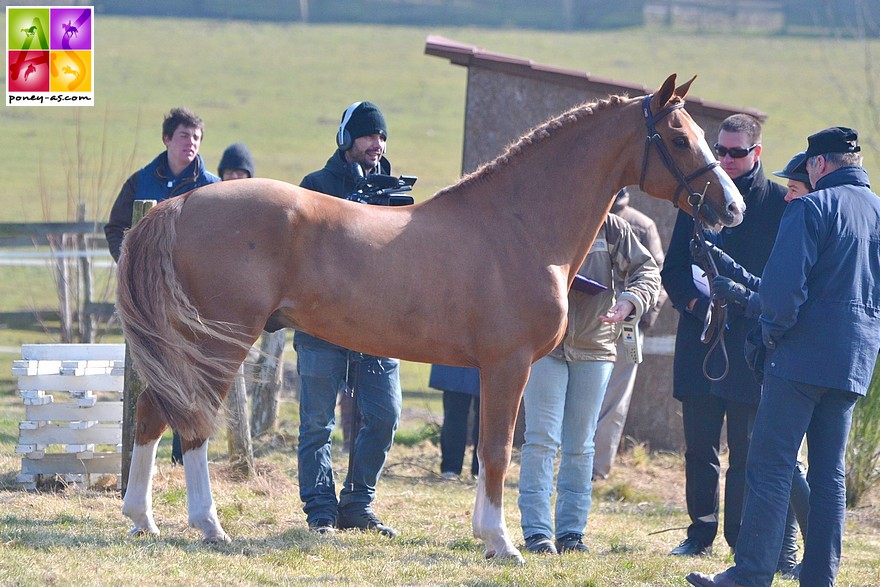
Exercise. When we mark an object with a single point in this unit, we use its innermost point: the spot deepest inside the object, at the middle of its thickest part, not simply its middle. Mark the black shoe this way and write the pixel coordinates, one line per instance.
(571, 543)
(720, 580)
(363, 520)
(540, 544)
(691, 547)
(793, 574)
(322, 526)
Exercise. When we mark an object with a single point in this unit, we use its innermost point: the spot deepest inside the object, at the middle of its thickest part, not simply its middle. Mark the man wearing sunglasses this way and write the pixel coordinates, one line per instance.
(706, 404)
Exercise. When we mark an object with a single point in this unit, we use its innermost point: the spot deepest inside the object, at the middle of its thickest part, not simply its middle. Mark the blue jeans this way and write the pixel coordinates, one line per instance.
(787, 411)
(322, 371)
(562, 402)
(798, 515)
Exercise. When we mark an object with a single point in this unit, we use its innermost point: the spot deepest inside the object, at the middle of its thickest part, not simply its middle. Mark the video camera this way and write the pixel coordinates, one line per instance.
(381, 190)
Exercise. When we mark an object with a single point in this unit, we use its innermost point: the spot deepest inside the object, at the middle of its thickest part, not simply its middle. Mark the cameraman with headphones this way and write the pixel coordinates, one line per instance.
(325, 368)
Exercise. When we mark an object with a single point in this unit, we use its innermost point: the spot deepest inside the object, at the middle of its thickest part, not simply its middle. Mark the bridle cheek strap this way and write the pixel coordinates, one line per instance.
(716, 319)
(654, 138)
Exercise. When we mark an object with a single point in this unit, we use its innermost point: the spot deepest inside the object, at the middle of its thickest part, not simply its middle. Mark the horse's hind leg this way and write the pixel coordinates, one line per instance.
(199, 499)
(501, 387)
(137, 505)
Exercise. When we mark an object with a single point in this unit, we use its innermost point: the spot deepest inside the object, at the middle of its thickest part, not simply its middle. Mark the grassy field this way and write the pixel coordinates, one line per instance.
(77, 537)
(281, 89)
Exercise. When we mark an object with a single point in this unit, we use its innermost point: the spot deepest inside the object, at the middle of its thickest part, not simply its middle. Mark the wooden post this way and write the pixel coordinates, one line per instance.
(267, 385)
(132, 386)
(87, 321)
(241, 449)
(57, 244)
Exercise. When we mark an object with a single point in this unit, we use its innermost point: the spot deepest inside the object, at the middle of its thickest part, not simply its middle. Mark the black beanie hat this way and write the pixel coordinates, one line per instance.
(366, 120)
(236, 156)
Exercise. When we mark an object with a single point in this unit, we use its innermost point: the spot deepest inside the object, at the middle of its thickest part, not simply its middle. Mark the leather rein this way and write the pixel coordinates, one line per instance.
(715, 323)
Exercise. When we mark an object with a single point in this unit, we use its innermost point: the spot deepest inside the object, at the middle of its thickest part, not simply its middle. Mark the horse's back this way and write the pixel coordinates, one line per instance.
(233, 243)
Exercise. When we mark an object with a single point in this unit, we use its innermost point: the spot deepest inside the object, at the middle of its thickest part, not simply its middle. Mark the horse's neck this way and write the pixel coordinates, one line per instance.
(559, 190)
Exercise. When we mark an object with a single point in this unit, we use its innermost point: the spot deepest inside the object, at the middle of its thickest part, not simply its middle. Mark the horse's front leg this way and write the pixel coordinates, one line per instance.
(501, 388)
(199, 499)
(137, 505)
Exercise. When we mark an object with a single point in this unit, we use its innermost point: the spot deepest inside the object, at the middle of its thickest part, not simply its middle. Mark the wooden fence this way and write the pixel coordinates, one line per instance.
(70, 248)
(73, 412)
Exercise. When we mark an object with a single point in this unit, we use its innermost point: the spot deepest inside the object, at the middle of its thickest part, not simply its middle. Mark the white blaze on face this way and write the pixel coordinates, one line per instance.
(731, 193)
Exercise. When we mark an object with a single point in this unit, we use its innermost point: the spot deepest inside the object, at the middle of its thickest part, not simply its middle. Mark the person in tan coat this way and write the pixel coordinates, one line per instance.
(565, 390)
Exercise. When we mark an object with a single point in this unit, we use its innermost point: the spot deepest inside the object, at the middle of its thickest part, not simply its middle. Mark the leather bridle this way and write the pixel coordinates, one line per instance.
(655, 139)
(715, 323)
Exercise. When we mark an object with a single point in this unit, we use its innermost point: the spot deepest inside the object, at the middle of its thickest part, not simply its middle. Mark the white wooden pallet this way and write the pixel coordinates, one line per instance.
(61, 431)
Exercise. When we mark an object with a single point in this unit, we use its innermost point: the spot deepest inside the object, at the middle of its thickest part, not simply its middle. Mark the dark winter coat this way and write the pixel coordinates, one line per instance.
(750, 244)
(820, 292)
(151, 182)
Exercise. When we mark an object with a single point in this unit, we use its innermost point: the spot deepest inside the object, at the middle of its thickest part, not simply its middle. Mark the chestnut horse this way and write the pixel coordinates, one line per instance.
(476, 276)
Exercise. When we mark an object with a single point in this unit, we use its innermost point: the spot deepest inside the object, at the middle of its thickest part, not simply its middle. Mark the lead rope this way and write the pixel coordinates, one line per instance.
(715, 323)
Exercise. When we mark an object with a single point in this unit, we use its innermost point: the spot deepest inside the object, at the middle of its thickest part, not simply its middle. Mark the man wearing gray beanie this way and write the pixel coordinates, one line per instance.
(326, 368)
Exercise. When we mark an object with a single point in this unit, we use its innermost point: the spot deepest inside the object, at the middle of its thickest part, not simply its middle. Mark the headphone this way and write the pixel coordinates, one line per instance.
(343, 138)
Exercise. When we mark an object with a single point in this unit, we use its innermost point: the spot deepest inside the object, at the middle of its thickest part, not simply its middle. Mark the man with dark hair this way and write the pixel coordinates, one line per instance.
(325, 368)
(175, 171)
(707, 404)
(821, 328)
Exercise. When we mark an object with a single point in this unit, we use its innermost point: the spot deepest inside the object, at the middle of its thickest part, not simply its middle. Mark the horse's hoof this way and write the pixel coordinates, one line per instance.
(141, 532)
(219, 539)
(513, 558)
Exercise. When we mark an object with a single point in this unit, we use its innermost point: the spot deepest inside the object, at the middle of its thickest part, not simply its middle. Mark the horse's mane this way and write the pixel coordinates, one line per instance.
(535, 136)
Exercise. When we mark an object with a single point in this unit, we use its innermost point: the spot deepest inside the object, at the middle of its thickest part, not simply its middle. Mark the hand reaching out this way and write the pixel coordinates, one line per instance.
(618, 312)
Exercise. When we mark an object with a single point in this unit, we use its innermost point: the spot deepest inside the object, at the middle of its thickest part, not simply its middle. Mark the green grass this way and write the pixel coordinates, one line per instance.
(76, 536)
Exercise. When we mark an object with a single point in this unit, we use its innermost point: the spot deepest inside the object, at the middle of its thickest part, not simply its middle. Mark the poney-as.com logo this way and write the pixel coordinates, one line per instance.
(50, 56)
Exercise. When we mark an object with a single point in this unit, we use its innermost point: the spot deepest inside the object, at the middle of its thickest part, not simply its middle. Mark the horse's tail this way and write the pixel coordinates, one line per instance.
(163, 330)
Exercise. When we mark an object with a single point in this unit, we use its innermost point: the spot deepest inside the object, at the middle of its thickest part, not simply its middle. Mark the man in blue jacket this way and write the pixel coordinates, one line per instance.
(175, 171)
(820, 322)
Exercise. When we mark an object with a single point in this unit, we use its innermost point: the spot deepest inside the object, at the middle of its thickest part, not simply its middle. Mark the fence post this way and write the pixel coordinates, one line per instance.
(88, 325)
(267, 385)
(132, 386)
(241, 448)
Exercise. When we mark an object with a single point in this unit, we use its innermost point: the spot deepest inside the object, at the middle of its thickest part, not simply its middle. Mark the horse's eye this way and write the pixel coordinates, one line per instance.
(680, 141)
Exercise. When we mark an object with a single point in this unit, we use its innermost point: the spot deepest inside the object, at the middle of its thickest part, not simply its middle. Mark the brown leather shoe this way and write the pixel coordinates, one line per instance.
(717, 580)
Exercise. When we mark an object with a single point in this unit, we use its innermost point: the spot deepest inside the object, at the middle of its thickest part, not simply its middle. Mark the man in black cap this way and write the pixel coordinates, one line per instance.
(820, 324)
(326, 368)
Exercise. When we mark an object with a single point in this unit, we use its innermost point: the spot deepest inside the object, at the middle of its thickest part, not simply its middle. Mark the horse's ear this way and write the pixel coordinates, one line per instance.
(664, 94)
(682, 90)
